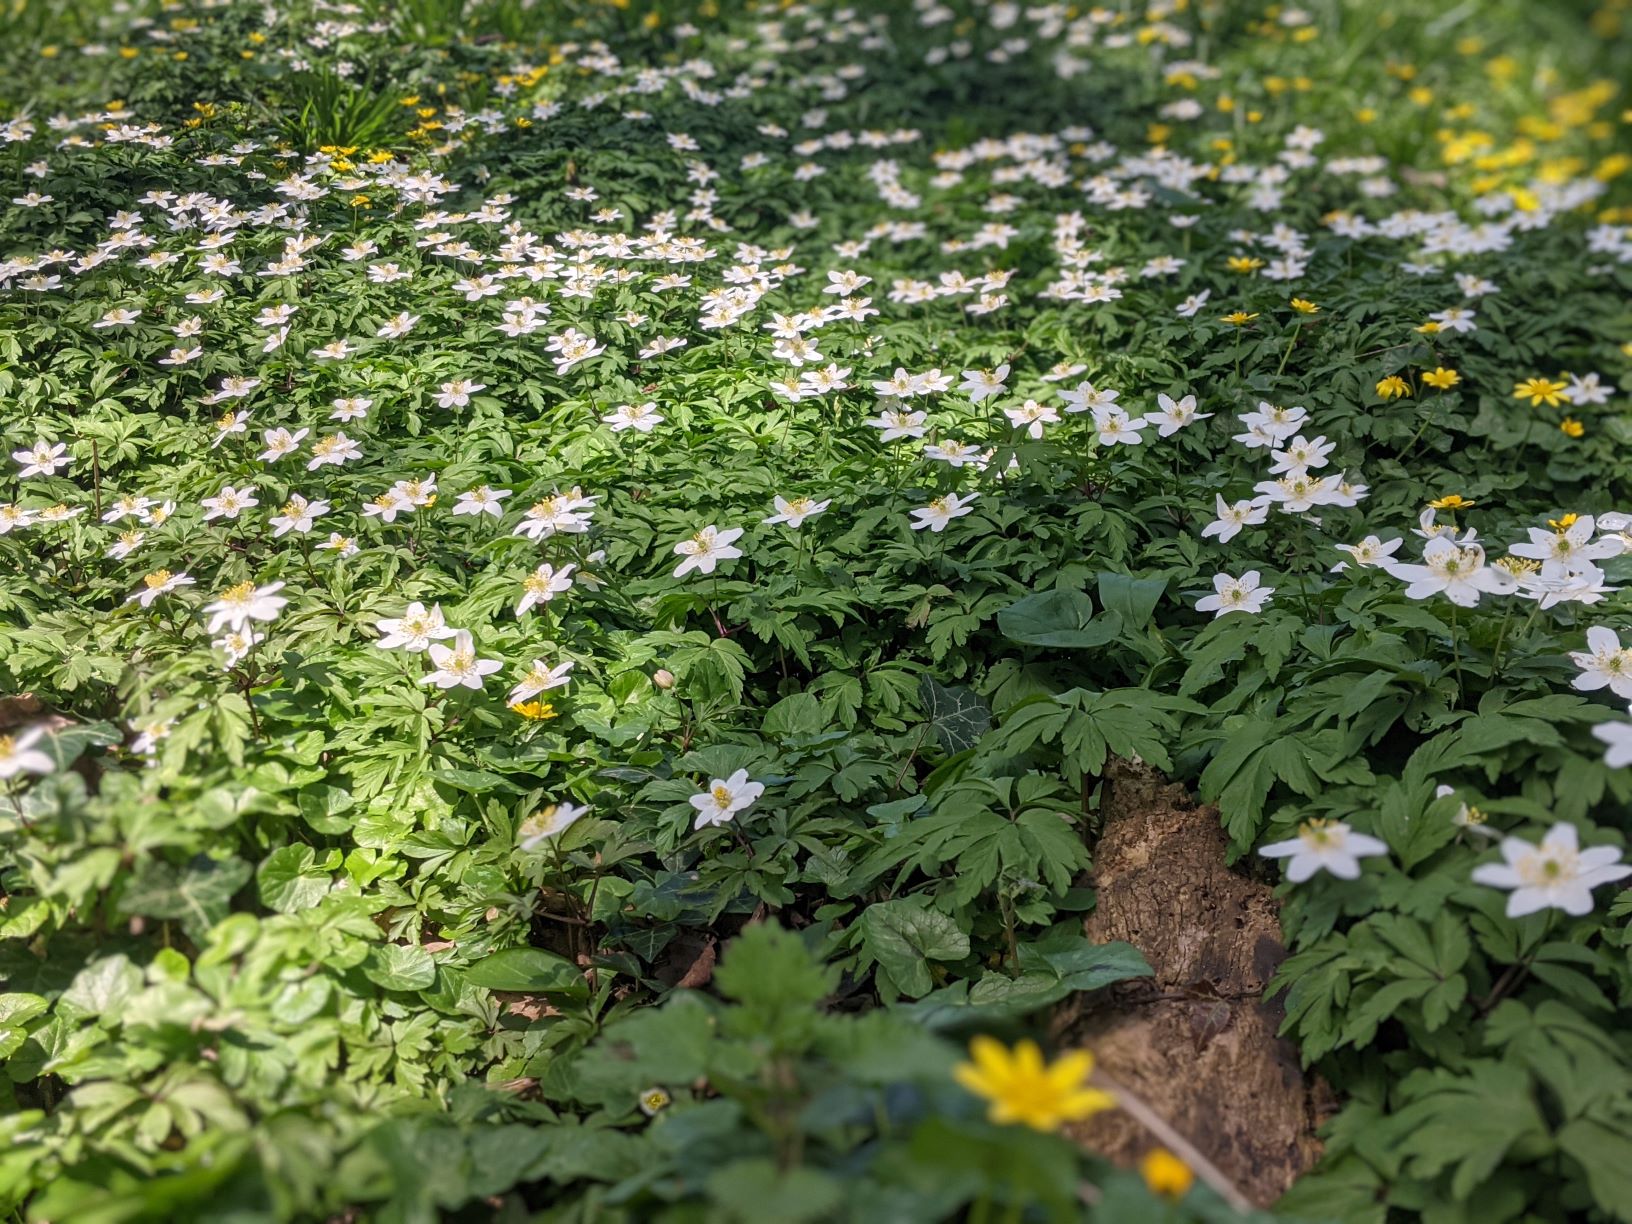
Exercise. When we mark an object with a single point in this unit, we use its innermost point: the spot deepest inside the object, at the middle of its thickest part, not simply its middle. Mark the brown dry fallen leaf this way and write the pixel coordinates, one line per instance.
(527, 1006)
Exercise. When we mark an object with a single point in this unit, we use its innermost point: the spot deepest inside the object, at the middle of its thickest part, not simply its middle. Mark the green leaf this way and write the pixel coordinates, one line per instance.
(16, 1010)
(287, 881)
(795, 715)
(959, 715)
(100, 988)
(754, 1191)
(530, 970)
(1058, 618)
(1131, 599)
(1602, 1146)
(198, 893)
(400, 967)
(903, 936)
(1465, 1123)
(769, 969)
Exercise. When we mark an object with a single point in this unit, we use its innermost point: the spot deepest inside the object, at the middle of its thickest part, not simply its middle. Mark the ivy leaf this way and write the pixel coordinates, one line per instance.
(959, 715)
(197, 893)
(288, 881)
(16, 1010)
(400, 967)
(100, 988)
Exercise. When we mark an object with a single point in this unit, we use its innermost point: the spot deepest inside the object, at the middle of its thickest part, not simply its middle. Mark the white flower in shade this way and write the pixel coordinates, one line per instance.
(1455, 319)
(1604, 664)
(543, 585)
(42, 459)
(1270, 425)
(548, 823)
(229, 424)
(1564, 582)
(1570, 545)
(1428, 527)
(540, 678)
(481, 500)
(457, 666)
(351, 408)
(15, 518)
(457, 393)
(1617, 738)
(1370, 553)
(1085, 397)
(898, 386)
(1588, 389)
(942, 511)
(1174, 415)
(1234, 516)
(386, 506)
(19, 756)
(1241, 594)
(1325, 845)
(897, 422)
(1557, 874)
(1301, 454)
(1456, 571)
(128, 542)
(724, 798)
(1031, 416)
(238, 605)
(1116, 428)
(794, 511)
(397, 325)
(1188, 308)
(706, 549)
(955, 454)
(1467, 818)
(159, 582)
(415, 629)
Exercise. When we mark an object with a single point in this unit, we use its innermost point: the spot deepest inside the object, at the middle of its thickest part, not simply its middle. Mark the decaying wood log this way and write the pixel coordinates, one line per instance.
(1197, 1042)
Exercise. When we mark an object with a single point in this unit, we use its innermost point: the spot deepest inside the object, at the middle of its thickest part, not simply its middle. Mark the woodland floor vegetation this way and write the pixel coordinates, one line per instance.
(703, 611)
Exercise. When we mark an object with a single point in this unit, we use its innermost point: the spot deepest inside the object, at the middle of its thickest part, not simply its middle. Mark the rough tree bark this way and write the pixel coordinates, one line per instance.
(1197, 1042)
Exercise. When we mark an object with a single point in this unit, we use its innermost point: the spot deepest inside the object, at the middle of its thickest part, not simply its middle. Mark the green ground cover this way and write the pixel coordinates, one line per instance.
(572, 573)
